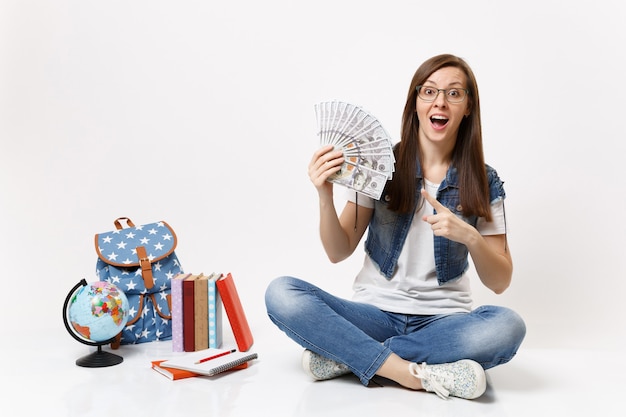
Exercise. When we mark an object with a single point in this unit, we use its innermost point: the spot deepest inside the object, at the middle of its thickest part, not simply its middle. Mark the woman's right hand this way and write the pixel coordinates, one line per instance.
(325, 162)
(337, 242)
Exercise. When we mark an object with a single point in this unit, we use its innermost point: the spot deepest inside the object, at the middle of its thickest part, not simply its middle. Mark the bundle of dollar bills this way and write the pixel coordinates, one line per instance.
(366, 145)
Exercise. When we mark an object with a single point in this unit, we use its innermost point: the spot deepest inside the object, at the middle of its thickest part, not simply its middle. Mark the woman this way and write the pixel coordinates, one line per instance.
(411, 318)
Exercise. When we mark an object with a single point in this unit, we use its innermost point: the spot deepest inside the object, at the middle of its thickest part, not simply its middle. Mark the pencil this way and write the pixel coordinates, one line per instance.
(215, 356)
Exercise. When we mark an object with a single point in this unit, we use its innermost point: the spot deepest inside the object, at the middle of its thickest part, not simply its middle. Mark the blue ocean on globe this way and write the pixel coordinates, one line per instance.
(98, 311)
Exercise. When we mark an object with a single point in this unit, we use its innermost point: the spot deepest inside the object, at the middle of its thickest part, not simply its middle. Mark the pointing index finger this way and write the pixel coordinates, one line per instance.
(433, 201)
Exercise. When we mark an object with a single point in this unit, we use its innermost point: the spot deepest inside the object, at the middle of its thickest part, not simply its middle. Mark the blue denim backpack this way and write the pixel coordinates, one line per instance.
(140, 261)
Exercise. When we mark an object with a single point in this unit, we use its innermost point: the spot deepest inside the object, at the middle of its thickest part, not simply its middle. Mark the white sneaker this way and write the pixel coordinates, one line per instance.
(321, 368)
(463, 379)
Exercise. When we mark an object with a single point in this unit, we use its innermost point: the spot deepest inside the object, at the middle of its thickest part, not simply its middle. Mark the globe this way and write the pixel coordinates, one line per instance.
(94, 314)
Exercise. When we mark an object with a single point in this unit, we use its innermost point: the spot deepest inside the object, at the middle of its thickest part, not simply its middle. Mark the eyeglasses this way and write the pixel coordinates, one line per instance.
(452, 95)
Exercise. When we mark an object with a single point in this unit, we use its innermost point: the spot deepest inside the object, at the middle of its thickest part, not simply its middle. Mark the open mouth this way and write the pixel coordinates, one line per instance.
(438, 121)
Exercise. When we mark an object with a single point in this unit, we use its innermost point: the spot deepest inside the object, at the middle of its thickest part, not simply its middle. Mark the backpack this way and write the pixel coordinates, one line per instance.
(140, 261)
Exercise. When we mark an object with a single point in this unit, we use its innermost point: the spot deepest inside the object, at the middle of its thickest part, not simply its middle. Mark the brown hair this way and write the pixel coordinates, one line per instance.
(467, 155)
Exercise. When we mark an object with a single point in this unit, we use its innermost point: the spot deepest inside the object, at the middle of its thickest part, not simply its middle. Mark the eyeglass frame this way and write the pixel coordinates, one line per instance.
(445, 93)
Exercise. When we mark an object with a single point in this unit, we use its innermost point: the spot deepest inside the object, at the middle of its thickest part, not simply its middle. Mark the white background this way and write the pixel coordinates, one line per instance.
(200, 113)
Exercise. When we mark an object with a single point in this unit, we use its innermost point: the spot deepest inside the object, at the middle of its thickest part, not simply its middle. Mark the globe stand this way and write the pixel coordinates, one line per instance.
(99, 358)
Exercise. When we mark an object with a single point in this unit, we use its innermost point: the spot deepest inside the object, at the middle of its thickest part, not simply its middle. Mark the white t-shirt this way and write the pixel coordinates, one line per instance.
(413, 289)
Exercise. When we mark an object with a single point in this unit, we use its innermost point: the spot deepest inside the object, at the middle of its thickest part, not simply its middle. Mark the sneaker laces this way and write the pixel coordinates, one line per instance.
(436, 380)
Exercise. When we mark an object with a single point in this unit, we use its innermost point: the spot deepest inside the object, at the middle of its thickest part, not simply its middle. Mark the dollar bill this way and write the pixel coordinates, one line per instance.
(367, 147)
(361, 179)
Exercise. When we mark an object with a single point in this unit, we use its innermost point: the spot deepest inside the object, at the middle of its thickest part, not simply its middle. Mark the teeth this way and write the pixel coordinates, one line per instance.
(439, 118)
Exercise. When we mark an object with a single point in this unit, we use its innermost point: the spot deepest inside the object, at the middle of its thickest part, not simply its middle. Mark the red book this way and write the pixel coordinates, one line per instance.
(234, 311)
(189, 334)
(172, 373)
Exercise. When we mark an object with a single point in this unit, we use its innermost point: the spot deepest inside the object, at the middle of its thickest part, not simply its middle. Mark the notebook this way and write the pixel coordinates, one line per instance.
(222, 360)
(175, 374)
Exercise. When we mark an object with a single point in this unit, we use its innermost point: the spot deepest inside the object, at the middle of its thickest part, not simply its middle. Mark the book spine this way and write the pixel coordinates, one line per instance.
(201, 313)
(189, 340)
(215, 316)
(177, 312)
(235, 313)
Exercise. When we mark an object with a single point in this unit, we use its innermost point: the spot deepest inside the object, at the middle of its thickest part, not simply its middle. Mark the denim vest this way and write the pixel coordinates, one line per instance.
(388, 230)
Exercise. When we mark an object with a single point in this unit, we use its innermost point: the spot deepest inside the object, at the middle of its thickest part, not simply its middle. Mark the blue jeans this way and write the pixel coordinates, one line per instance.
(362, 337)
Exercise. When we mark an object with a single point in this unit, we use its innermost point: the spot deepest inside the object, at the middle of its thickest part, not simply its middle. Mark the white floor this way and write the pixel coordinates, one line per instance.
(45, 381)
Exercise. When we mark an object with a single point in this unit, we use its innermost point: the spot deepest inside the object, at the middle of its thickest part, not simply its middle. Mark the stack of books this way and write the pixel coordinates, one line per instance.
(197, 326)
(197, 322)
